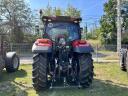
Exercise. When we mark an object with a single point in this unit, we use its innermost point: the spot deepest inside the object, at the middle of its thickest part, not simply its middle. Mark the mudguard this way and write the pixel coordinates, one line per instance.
(10, 54)
(83, 49)
(12, 62)
(42, 46)
(41, 49)
(9, 57)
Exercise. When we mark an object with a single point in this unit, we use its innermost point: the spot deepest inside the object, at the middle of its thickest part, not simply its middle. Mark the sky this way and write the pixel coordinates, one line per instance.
(91, 10)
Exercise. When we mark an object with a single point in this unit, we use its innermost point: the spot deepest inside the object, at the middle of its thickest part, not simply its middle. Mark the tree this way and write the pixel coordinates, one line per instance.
(48, 11)
(124, 12)
(18, 16)
(108, 23)
(108, 28)
(57, 11)
(72, 11)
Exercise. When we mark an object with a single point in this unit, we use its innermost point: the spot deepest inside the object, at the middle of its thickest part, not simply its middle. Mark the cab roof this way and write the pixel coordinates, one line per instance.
(61, 19)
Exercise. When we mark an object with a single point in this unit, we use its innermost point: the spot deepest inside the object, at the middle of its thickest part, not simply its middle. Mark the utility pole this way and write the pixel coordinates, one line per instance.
(86, 31)
(118, 25)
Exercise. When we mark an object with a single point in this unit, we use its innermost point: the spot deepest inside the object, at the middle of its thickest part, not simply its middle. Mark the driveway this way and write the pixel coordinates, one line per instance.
(28, 60)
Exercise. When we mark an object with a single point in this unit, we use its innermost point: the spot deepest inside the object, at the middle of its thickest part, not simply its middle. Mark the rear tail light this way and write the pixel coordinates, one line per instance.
(80, 43)
(43, 42)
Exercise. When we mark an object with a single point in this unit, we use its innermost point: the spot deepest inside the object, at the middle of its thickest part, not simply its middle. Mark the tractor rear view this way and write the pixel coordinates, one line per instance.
(60, 57)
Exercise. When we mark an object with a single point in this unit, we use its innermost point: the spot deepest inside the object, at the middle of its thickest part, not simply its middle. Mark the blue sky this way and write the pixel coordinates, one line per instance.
(91, 10)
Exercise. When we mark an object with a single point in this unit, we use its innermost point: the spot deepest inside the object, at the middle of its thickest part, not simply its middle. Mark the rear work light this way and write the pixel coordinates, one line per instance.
(78, 43)
(43, 42)
(49, 20)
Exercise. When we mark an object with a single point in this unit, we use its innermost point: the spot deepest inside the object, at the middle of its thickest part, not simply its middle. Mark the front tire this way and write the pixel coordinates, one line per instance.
(39, 72)
(86, 70)
(12, 63)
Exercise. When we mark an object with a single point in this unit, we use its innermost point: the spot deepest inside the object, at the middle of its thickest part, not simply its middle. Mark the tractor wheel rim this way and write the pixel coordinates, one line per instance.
(15, 62)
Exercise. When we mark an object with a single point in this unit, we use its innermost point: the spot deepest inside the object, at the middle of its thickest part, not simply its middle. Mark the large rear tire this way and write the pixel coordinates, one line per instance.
(39, 72)
(86, 70)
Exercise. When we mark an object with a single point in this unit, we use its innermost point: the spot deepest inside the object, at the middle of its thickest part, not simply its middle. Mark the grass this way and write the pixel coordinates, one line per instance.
(105, 54)
(109, 80)
(106, 51)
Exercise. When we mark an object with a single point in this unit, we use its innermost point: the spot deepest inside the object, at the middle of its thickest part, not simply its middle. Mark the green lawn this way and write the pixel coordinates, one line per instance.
(109, 80)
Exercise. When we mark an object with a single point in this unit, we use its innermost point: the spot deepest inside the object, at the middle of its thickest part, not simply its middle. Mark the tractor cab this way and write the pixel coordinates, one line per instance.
(61, 26)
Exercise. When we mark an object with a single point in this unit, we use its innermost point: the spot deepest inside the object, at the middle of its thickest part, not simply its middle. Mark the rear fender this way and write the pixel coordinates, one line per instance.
(41, 46)
(41, 49)
(83, 49)
(82, 46)
(10, 54)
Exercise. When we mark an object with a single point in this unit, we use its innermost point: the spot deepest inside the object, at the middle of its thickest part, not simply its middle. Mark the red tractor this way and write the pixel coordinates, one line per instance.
(60, 56)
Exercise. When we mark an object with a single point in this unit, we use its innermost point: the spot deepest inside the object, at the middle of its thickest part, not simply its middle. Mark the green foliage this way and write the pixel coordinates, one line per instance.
(57, 12)
(17, 19)
(125, 38)
(124, 12)
(95, 34)
(17, 35)
(70, 11)
(30, 38)
(48, 11)
(108, 23)
(90, 36)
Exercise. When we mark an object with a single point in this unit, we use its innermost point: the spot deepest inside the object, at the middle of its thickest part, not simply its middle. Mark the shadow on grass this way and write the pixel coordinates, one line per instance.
(98, 88)
(10, 89)
(7, 85)
(11, 76)
(100, 55)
